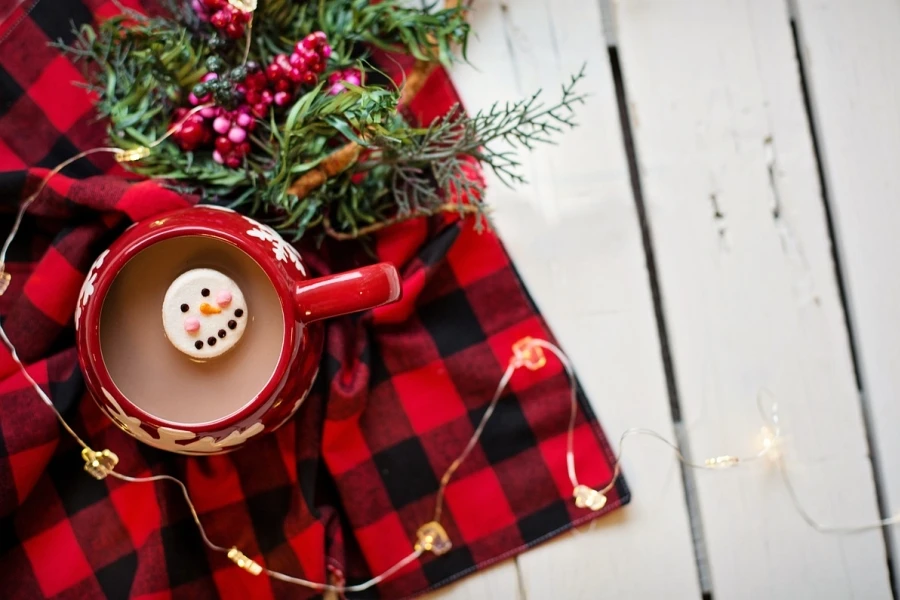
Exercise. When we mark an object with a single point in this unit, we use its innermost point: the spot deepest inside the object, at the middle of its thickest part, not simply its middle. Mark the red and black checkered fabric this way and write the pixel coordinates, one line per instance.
(341, 489)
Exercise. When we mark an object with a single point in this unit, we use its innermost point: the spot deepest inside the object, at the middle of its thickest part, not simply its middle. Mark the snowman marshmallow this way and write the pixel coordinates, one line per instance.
(204, 313)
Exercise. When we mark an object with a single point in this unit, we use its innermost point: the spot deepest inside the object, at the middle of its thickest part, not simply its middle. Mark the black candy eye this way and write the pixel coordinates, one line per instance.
(232, 324)
(204, 292)
(239, 312)
(211, 341)
(221, 333)
(198, 344)
(184, 307)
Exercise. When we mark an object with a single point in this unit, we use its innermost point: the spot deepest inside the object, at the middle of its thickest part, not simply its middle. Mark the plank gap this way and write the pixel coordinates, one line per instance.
(608, 17)
(826, 201)
(874, 458)
(646, 238)
(690, 493)
(693, 504)
(523, 594)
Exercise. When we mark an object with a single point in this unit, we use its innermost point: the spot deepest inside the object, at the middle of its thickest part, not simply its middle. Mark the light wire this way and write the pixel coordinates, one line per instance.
(527, 353)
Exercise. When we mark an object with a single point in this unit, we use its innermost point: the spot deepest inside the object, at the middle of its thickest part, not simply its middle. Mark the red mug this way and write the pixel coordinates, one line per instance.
(304, 303)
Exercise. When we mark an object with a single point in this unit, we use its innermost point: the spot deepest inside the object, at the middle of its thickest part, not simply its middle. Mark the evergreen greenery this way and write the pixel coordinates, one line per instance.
(142, 68)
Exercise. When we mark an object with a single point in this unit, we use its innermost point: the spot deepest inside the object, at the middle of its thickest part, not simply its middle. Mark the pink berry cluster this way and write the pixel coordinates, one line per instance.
(302, 67)
(231, 144)
(226, 129)
(256, 91)
(279, 81)
(226, 18)
(245, 93)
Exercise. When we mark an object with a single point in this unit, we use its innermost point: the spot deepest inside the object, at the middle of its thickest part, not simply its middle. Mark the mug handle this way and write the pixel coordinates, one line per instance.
(344, 293)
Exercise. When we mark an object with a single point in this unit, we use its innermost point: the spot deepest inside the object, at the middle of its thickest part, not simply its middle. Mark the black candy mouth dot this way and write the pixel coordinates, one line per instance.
(198, 344)
(232, 324)
(221, 333)
(211, 341)
(239, 312)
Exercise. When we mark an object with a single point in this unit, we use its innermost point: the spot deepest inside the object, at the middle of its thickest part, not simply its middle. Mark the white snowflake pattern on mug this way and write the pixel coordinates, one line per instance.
(283, 251)
(87, 288)
(169, 437)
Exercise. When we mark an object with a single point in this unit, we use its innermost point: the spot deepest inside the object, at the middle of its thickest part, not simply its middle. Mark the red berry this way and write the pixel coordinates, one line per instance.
(283, 85)
(296, 75)
(320, 38)
(282, 61)
(244, 148)
(282, 98)
(296, 60)
(307, 54)
(232, 162)
(253, 96)
(318, 67)
(311, 60)
(243, 118)
(256, 81)
(260, 110)
(234, 30)
(273, 72)
(266, 97)
(191, 135)
(213, 4)
(223, 145)
(310, 78)
(220, 19)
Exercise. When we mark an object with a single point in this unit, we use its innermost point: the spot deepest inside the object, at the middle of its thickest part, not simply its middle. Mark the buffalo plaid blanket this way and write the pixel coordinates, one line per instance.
(337, 493)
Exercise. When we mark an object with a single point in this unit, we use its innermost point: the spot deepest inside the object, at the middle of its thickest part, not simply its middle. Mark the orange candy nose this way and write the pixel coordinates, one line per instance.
(209, 309)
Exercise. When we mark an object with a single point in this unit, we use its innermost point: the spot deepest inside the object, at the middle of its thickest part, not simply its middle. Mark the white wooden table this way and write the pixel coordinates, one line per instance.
(739, 229)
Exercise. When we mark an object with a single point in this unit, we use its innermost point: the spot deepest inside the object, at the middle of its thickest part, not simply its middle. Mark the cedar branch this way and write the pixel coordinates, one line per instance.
(344, 157)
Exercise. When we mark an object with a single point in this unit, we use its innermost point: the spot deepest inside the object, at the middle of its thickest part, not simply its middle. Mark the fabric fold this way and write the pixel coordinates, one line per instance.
(336, 494)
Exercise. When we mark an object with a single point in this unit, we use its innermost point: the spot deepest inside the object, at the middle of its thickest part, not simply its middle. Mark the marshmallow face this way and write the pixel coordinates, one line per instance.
(204, 313)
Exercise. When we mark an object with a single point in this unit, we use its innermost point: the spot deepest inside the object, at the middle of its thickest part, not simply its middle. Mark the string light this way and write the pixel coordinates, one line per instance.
(431, 537)
(121, 155)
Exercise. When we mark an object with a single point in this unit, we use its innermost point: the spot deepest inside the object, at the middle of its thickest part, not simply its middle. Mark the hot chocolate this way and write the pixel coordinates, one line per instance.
(148, 367)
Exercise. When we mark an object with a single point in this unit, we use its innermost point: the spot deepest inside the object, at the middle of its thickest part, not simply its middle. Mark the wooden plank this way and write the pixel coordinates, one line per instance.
(574, 235)
(852, 56)
(749, 292)
(500, 581)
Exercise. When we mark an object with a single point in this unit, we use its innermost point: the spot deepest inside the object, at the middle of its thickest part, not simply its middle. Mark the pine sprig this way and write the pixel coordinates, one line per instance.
(139, 68)
(428, 33)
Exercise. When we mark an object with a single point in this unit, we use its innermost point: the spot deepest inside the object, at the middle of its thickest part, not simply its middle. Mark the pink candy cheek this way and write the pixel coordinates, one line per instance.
(192, 324)
(223, 298)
